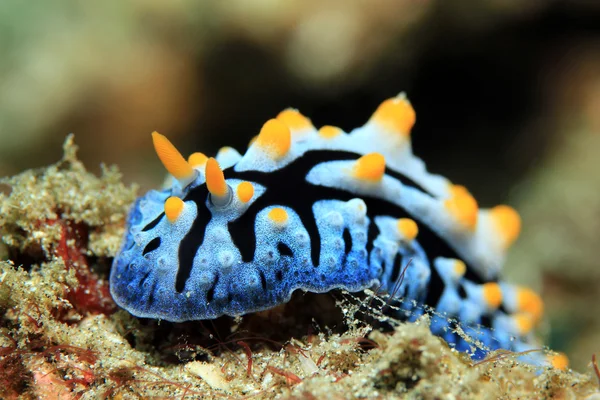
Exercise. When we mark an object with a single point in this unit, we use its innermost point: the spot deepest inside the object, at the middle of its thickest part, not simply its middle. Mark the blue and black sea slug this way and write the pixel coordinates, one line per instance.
(321, 209)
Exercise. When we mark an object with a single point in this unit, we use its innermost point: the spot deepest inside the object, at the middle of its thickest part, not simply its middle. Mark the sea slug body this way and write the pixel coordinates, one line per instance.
(319, 209)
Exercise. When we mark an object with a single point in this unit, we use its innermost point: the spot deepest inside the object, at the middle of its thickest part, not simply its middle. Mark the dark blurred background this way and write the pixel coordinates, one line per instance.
(507, 94)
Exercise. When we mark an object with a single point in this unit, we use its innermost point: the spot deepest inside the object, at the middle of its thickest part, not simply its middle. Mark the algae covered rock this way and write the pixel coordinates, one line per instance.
(62, 337)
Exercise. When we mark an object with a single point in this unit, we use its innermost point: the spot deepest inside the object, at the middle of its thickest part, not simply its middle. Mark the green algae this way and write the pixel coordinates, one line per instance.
(51, 349)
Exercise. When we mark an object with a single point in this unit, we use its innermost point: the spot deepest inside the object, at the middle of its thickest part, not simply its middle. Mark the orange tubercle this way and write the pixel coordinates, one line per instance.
(408, 228)
(524, 322)
(245, 191)
(530, 302)
(492, 294)
(173, 208)
(559, 361)
(329, 132)
(508, 223)
(370, 167)
(462, 206)
(396, 114)
(171, 158)
(460, 268)
(224, 150)
(215, 180)
(294, 119)
(197, 159)
(275, 138)
(278, 215)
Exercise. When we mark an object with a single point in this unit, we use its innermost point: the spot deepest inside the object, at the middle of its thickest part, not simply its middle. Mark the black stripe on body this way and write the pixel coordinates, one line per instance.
(151, 246)
(192, 241)
(288, 187)
(153, 223)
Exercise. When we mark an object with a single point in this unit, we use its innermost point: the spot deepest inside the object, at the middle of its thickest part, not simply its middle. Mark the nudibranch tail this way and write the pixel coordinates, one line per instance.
(317, 210)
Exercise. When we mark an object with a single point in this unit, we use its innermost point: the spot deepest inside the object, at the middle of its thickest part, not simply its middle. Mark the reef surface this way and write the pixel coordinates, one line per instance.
(62, 336)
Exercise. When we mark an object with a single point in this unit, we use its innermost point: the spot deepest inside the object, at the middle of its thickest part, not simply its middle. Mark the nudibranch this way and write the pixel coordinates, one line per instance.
(316, 210)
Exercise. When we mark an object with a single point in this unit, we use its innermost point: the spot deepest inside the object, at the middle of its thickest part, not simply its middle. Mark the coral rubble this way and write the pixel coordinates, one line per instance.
(62, 337)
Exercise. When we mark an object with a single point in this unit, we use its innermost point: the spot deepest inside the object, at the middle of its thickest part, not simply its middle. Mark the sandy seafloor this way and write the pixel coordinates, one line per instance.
(62, 337)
